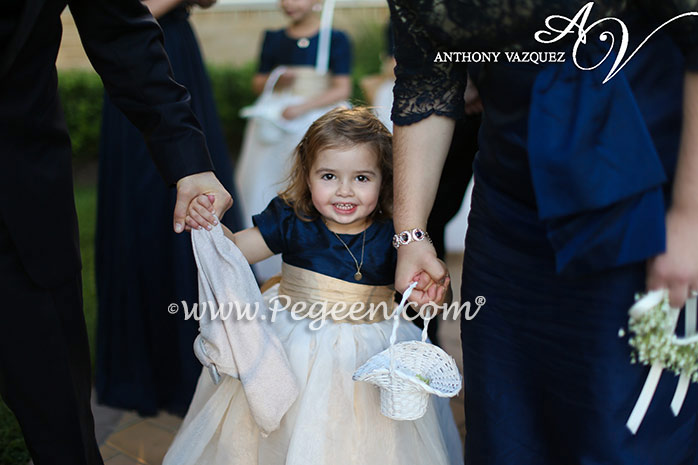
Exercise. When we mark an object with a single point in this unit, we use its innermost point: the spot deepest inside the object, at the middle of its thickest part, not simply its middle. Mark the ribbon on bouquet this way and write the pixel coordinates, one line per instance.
(691, 322)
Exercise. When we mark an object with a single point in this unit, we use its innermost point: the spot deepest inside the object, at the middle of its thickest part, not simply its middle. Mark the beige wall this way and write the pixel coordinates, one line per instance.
(231, 33)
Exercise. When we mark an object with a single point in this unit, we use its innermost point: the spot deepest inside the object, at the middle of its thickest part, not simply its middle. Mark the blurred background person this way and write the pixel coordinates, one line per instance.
(144, 355)
(299, 79)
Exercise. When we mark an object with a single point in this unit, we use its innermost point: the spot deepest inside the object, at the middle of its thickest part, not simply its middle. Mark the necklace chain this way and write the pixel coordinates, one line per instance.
(357, 275)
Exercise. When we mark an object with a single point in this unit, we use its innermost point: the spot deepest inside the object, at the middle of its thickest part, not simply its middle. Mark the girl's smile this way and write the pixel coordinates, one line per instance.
(345, 208)
(345, 184)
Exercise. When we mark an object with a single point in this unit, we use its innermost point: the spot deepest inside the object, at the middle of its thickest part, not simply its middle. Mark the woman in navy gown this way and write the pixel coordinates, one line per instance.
(573, 199)
(145, 360)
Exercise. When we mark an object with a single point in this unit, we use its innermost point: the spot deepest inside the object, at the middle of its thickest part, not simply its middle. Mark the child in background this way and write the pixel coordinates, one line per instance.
(332, 227)
(299, 97)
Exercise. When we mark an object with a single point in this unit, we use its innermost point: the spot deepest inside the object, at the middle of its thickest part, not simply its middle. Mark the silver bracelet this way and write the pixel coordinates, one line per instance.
(410, 235)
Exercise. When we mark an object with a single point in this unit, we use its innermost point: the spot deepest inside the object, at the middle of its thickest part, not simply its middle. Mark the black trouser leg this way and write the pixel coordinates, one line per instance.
(45, 364)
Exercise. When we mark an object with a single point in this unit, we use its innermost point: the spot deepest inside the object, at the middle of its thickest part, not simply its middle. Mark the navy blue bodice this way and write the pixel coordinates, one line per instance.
(310, 245)
(280, 49)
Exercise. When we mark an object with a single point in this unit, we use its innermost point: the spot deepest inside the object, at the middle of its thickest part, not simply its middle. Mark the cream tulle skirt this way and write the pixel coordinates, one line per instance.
(334, 421)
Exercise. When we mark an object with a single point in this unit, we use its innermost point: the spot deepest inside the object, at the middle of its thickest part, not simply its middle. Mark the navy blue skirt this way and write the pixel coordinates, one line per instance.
(548, 381)
(145, 360)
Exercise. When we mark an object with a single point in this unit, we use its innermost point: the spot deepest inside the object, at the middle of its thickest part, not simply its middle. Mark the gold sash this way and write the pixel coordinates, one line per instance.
(315, 295)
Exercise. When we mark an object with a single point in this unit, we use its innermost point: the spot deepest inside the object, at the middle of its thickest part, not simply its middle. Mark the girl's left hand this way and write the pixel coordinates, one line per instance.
(293, 112)
(677, 268)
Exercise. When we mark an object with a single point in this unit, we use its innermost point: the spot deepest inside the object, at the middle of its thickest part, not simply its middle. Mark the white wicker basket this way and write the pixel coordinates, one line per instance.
(408, 372)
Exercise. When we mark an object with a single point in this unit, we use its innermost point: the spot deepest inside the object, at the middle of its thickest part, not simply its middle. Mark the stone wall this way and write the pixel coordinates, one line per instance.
(231, 32)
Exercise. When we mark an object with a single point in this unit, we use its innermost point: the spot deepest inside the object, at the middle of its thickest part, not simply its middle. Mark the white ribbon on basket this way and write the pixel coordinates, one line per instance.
(396, 322)
(652, 299)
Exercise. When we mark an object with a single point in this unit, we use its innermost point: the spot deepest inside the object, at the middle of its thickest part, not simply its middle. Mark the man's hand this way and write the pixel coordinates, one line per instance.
(677, 268)
(417, 261)
(189, 187)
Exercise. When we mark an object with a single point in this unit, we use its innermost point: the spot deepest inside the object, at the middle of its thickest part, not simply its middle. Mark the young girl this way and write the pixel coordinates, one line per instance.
(332, 228)
(307, 89)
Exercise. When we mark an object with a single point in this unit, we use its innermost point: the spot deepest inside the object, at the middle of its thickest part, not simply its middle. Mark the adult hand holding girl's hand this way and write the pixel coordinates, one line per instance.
(192, 186)
(200, 214)
(417, 261)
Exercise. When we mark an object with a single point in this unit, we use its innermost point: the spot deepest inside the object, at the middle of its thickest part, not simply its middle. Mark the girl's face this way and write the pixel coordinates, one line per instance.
(344, 185)
(298, 10)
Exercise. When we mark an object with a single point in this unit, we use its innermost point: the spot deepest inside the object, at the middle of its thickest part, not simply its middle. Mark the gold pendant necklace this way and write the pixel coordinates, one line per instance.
(357, 275)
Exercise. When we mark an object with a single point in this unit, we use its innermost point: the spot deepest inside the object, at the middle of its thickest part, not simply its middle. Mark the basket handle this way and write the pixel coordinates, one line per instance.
(398, 311)
(273, 79)
(396, 322)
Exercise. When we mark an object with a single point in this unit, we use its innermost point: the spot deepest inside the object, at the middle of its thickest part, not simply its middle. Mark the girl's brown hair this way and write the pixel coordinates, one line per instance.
(336, 129)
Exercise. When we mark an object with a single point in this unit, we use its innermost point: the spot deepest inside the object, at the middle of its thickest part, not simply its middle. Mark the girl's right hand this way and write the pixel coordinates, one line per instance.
(201, 211)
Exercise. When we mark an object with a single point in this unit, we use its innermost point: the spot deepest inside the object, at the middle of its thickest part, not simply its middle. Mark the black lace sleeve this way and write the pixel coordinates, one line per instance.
(422, 87)
(684, 30)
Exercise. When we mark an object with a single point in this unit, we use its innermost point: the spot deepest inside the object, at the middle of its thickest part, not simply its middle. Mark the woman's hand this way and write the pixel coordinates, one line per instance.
(417, 261)
(677, 268)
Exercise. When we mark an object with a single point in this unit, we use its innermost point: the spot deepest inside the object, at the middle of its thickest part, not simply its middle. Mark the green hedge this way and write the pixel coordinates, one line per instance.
(232, 89)
(81, 95)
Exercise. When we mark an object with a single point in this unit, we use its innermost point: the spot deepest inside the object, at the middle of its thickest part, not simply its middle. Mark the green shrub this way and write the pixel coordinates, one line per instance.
(81, 96)
(12, 448)
(369, 47)
(232, 90)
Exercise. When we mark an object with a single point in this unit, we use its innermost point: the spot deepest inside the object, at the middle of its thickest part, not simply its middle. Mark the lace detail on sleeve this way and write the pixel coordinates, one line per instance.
(422, 87)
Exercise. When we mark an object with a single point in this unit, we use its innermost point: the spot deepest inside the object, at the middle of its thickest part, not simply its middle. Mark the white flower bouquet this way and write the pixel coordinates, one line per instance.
(652, 325)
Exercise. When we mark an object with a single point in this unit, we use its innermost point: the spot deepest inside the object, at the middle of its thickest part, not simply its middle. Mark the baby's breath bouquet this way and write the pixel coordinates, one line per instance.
(652, 325)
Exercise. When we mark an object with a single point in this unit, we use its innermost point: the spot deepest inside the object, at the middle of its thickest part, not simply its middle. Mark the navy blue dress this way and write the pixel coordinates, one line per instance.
(280, 49)
(145, 360)
(572, 183)
(311, 246)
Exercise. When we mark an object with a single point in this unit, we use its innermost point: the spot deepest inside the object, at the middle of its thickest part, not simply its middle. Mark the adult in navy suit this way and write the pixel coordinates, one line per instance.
(44, 358)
